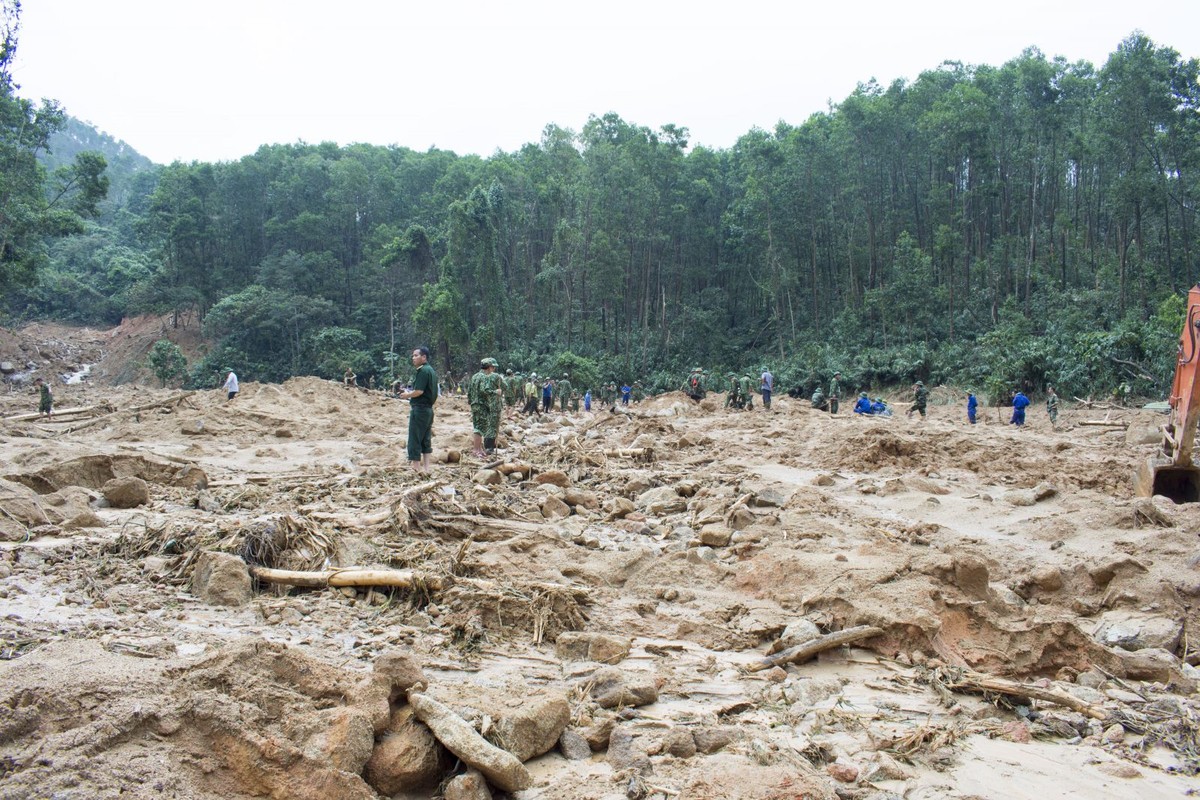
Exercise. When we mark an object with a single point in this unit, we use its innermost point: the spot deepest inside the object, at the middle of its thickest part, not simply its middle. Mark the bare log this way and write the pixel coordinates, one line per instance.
(398, 578)
(645, 453)
(974, 681)
(1102, 423)
(65, 412)
(803, 652)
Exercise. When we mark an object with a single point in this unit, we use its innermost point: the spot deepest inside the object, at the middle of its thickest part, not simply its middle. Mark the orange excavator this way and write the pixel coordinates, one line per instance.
(1170, 472)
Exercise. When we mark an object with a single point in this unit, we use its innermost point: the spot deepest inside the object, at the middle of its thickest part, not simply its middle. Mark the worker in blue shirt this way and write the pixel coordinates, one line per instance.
(1019, 403)
(972, 405)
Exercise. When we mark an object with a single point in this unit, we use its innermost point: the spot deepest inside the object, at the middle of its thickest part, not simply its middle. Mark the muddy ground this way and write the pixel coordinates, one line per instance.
(599, 604)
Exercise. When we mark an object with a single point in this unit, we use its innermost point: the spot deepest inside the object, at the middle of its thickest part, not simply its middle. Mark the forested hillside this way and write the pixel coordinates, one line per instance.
(988, 226)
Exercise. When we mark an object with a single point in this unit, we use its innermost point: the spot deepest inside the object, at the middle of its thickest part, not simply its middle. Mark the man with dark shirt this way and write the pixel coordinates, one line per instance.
(421, 396)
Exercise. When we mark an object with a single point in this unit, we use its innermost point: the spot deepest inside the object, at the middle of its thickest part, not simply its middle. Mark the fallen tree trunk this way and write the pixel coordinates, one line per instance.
(66, 412)
(398, 578)
(803, 652)
(645, 453)
(974, 681)
(1103, 423)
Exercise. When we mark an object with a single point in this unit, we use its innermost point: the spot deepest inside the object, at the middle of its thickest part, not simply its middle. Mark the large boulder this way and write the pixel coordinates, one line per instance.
(127, 492)
(613, 688)
(662, 500)
(533, 727)
(402, 670)
(407, 758)
(221, 579)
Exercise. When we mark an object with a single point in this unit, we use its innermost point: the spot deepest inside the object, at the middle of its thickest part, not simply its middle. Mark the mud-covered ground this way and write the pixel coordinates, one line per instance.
(599, 603)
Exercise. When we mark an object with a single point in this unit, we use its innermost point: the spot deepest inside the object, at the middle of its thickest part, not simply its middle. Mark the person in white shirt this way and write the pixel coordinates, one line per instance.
(231, 385)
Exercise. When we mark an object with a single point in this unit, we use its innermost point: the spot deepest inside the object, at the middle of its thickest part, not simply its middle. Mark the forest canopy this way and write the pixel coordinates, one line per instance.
(991, 227)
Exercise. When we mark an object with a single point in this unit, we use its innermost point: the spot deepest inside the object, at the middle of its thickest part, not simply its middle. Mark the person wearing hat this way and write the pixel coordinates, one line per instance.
(972, 407)
(766, 387)
(732, 391)
(863, 406)
(45, 397)
(746, 390)
(485, 394)
(920, 400)
(835, 391)
(693, 387)
(531, 395)
(565, 393)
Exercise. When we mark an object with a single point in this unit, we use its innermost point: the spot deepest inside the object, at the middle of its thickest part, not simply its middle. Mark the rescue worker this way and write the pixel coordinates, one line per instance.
(819, 401)
(565, 394)
(863, 406)
(693, 387)
(766, 387)
(485, 394)
(731, 392)
(835, 391)
(531, 395)
(746, 391)
(972, 407)
(1052, 405)
(920, 400)
(1019, 403)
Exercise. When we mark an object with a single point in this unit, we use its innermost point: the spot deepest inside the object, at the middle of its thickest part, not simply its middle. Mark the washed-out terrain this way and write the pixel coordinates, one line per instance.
(608, 609)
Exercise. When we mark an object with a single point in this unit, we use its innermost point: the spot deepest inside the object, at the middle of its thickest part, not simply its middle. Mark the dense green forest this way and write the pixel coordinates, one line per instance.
(982, 226)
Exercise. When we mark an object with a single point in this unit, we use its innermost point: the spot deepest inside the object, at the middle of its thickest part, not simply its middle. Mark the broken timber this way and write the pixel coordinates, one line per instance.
(398, 578)
(803, 652)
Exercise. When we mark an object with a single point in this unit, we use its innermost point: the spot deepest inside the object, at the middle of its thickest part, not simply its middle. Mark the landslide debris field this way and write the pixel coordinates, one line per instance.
(595, 614)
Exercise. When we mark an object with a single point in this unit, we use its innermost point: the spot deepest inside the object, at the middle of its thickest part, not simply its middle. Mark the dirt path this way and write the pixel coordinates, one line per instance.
(977, 551)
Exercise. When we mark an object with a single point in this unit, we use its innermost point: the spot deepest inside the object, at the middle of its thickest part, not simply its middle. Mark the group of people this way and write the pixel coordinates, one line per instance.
(739, 391)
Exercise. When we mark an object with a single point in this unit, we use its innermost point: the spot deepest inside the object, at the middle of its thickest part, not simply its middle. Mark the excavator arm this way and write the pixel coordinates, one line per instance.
(1170, 472)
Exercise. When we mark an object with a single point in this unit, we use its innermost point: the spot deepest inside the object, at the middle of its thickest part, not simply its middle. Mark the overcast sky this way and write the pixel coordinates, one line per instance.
(213, 80)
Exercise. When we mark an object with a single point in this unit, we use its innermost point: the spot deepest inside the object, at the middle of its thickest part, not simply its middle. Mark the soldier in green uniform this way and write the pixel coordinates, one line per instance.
(485, 393)
(693, 386)
(45, 398)
(920, 400)
(421, 395)
(564, 391)
(731, 391)
(1052, 405)
(746, 391)
(835, 390)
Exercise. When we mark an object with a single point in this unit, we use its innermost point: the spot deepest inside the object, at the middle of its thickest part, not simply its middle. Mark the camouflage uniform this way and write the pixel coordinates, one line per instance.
(483, 393)
(920, 399)
(693, 386)
(745, 389)
(835, 391)
(565, 393)
(731, 396)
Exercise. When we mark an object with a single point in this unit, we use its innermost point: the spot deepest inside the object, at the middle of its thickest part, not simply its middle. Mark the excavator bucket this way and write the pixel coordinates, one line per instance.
(1157, 475)
(1171, 472)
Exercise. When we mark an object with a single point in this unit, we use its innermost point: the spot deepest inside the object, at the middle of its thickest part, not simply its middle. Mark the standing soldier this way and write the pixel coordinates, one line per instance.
(1052, 406)
(746, 391)
(45, 398)
(510, 388)
(920, 400)
(565, 393)
(485, 393)
(835, 391)
(731, 396)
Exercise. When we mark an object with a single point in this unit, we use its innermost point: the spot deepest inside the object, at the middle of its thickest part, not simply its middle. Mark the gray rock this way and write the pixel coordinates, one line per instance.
(592, 646)
(574, 746)
(798, 632)
(407, 758)
(535, 726)
(468, 786)
(1135, 631)
(625, 752)
(554, 508)
(715, 536)
(662, 500)
(127, 492)
(612, 688)
(192, 477)
(777, 495)
(700, 555)
(402, 671)
(712, 740)
(221, 579)
(343, 737)
(679, 743)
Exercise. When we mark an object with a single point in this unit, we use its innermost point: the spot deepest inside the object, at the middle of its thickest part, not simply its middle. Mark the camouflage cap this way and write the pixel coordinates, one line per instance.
(862, 394)
(489, 362)
(918, 383)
